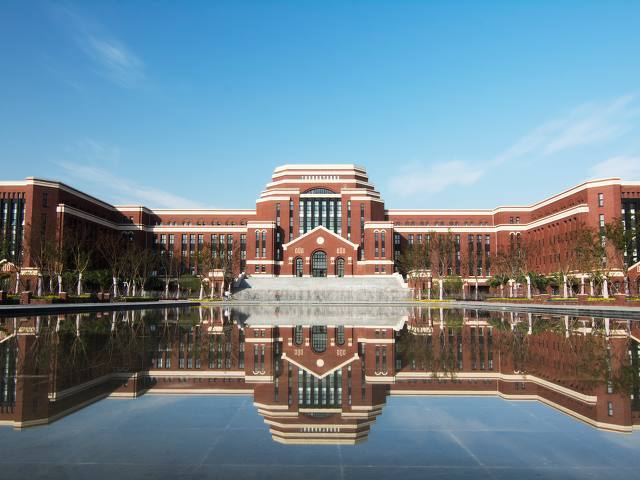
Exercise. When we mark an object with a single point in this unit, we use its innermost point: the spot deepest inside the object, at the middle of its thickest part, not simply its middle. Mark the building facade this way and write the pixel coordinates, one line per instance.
(317, 220)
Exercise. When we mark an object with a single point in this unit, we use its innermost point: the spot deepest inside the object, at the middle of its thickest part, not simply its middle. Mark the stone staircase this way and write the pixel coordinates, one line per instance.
(388, 288)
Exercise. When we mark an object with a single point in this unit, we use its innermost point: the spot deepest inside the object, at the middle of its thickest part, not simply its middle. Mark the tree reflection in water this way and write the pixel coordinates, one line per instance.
(585, 366)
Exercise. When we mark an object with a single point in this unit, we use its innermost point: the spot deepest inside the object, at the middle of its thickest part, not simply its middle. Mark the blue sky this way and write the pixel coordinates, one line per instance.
(447, 104)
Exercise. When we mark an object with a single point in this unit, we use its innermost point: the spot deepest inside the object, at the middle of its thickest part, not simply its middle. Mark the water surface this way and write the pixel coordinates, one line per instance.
(286, 391)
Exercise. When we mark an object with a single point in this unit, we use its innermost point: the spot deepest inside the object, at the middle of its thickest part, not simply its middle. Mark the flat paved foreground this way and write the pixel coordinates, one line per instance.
(225, 437)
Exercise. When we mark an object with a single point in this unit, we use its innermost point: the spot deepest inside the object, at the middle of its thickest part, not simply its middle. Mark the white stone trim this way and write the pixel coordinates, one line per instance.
(257, 224)
(506, 209)
(505, 227)
(383, 225)
(328, 372)
(322, 229)
(165, 211)
(273, 198)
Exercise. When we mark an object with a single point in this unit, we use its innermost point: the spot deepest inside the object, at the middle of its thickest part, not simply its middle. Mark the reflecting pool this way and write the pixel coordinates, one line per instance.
(347, 392)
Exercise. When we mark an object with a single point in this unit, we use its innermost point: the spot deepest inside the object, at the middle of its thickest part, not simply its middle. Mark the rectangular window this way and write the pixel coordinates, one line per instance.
(376, 244)
(601, 221)
(243, 247)
(290, 220)
(278, 214)
(610, 409)
(601, 199)
(384, 243)
(45, 199)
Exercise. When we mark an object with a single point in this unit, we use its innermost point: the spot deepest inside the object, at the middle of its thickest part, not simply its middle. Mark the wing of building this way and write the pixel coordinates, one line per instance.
(315, 220)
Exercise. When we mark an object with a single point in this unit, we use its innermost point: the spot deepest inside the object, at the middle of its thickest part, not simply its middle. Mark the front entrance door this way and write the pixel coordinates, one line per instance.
(298, 267)
(340, 267)
(319, 264)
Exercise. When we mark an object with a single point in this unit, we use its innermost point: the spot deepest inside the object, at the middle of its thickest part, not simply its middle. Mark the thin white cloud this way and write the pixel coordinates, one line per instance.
(123, 190)
(90, 165)
(625, 167)
(418, 178)
(585, 125)
(110, 56)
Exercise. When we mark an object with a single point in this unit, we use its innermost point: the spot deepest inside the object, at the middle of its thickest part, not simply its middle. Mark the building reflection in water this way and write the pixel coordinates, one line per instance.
(319, 375)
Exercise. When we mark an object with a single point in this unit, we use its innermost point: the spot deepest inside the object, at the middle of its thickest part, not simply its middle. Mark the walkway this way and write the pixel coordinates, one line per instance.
(12, 310)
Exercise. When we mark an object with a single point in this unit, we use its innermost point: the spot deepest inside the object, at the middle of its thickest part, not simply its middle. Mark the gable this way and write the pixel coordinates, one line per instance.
(316, 233)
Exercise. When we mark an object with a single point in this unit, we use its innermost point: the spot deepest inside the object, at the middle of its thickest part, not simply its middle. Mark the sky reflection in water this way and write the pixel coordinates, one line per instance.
(216, 392)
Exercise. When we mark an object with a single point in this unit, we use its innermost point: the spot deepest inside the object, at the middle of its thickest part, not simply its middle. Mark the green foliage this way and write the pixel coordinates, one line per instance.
(97, 280)
(496, 280)
(538, 281)
(189, 282)
(452, 284)
(154, 284)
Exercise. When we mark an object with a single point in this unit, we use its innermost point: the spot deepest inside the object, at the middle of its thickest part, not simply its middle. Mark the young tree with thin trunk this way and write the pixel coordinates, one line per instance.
(443, 252)
(112, 248)
(619, 241)
(589, 252)
(80, 254)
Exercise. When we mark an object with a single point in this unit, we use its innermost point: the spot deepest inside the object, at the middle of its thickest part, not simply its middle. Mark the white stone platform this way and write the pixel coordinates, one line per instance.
(388, 288)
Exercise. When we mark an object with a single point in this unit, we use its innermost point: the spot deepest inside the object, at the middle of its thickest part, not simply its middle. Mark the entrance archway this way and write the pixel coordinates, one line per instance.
(340, 267)
(319, 264)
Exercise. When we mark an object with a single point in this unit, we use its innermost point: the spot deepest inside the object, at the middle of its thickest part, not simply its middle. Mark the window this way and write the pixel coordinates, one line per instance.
(610, 409)
(601, 221)
(340, 267)
(319, 338)
(340, 335)
(45, 199)
(290, 220)
(601, 199)
(299, 270)
(297, 335)
(257, 244)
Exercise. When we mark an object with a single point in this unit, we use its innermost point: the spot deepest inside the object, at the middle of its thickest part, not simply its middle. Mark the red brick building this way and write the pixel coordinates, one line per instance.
(317, 220)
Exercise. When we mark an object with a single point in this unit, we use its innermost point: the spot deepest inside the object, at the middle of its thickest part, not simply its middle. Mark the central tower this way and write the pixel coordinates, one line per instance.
(334, 204)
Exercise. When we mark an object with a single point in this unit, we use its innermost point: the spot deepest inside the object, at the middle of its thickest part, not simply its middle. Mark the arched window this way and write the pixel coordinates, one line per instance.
(376, 244)
(340, 267)
(319, 264)
(320, 191)
(299, 271)
(319, 338)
